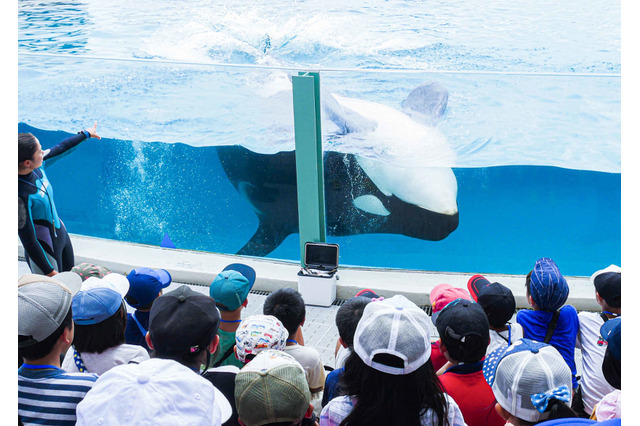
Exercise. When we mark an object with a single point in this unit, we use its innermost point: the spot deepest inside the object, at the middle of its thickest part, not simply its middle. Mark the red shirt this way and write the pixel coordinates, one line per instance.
(468, 388)
(437, 358)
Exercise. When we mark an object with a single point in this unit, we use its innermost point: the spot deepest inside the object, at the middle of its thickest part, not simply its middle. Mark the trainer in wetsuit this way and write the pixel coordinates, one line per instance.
(45, 240)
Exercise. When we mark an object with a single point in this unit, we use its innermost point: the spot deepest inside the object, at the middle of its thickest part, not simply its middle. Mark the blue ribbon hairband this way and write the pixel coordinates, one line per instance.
(541, 400)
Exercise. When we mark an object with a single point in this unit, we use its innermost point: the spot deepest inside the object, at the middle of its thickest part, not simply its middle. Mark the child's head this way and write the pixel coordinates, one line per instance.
(530, 381)
(258, 333)
(44, 312)
(611, 332)
(546, 285)
(442, 294)
(145, 285)
(183, 326)
(496, 299)
(348, 316)
(272, 389)
(464, 331)
(287, 305)
(99, 313)
(231, 287)
(608, 285)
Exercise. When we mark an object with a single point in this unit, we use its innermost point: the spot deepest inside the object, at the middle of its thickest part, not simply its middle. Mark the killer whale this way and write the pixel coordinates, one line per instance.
(362, 195)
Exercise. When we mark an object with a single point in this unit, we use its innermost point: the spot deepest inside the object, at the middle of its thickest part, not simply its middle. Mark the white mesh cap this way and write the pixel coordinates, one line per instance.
(394, 326)
(43, 303)
(526, 368)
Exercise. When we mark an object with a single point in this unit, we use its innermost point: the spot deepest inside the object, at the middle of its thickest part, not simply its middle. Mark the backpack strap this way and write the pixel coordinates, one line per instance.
(604, 316)
(225, 356)
(552, 326)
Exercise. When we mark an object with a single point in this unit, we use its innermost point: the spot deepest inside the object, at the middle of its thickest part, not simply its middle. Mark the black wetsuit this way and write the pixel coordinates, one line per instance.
(42, 232)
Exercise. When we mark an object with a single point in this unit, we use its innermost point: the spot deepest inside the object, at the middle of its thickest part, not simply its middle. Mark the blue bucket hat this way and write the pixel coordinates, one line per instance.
(145, 285)
(231, 287)
(548, 287)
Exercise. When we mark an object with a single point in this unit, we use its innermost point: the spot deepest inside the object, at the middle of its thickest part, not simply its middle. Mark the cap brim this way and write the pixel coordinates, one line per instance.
(223, 403)
(246, 270)
(165, 277)
(475, 284)
(608, 326)
(71, 280)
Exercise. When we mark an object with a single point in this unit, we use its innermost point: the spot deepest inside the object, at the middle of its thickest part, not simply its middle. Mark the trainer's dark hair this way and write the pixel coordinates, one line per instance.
(44, 348)
(348, 316)
(26, 147)
(385, 399)
(287, 305)
(96, 338)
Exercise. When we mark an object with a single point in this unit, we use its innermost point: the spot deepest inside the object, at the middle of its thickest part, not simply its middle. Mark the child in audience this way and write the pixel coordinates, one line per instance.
(145, 286)
(47, 394)
(464, 336)
(287, 305)
(389, 379)
(273, 389)
(610, 406)
(344, 350)
(499, 304)
(550, 321)
(258, 333)
(230, 289)
(531, 383)
(167, 389)
(440, 296)
(593, 386)
(100, 320)
(347, 319)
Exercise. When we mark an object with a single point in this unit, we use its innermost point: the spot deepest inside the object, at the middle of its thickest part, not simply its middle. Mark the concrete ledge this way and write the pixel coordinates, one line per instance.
(200, 268)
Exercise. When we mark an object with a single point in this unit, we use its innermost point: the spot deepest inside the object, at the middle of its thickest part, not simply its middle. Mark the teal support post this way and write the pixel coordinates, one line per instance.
(309, 169)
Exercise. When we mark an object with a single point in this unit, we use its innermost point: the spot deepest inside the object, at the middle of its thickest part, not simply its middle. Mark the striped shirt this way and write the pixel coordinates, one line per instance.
(48, 396)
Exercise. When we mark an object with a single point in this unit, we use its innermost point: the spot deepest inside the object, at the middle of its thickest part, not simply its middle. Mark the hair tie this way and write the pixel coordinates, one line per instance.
(541, 400)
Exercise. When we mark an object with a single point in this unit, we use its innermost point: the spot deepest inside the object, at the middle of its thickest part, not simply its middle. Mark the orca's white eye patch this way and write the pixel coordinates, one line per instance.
(371, 204)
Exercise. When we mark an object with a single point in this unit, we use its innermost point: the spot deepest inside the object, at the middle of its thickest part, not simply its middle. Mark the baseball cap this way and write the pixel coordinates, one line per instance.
(496, 299)
(86, 270)
(464, 329)
(156, 391)
(231, 286)
(527, 373)
(145, 285)
(579, 421)
(183, 321)
(258, 333)
(611, 331)
(365, 292)
(99, 298)
(394, 326)
(43, 304)
(608, 284)
(548, 287)
(442, 295)
(271, 388)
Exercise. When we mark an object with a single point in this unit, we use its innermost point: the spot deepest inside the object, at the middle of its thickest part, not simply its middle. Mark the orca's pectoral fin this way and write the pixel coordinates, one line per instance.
(266, 239)
(427, 102)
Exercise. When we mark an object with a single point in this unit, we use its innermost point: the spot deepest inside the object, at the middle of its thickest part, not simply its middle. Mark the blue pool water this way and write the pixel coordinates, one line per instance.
(531, 129)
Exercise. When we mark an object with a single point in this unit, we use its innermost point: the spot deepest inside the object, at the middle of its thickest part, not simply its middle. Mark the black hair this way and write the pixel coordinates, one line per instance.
(385, 399)
(133, 301)
(348, 316)
(26, 147)
(287, 305)
(44, 348)
(96, 338)
(559, 410)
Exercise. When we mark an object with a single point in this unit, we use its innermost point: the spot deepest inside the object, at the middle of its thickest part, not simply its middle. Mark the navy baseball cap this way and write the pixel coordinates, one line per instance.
(464, 329)
(608, 284)
(496, 299)
(145, 285)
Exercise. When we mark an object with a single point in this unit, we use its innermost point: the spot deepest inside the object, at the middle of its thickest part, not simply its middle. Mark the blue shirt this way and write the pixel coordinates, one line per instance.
(50, 395)
(536, 323)
(136, 331)
(331, 389)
